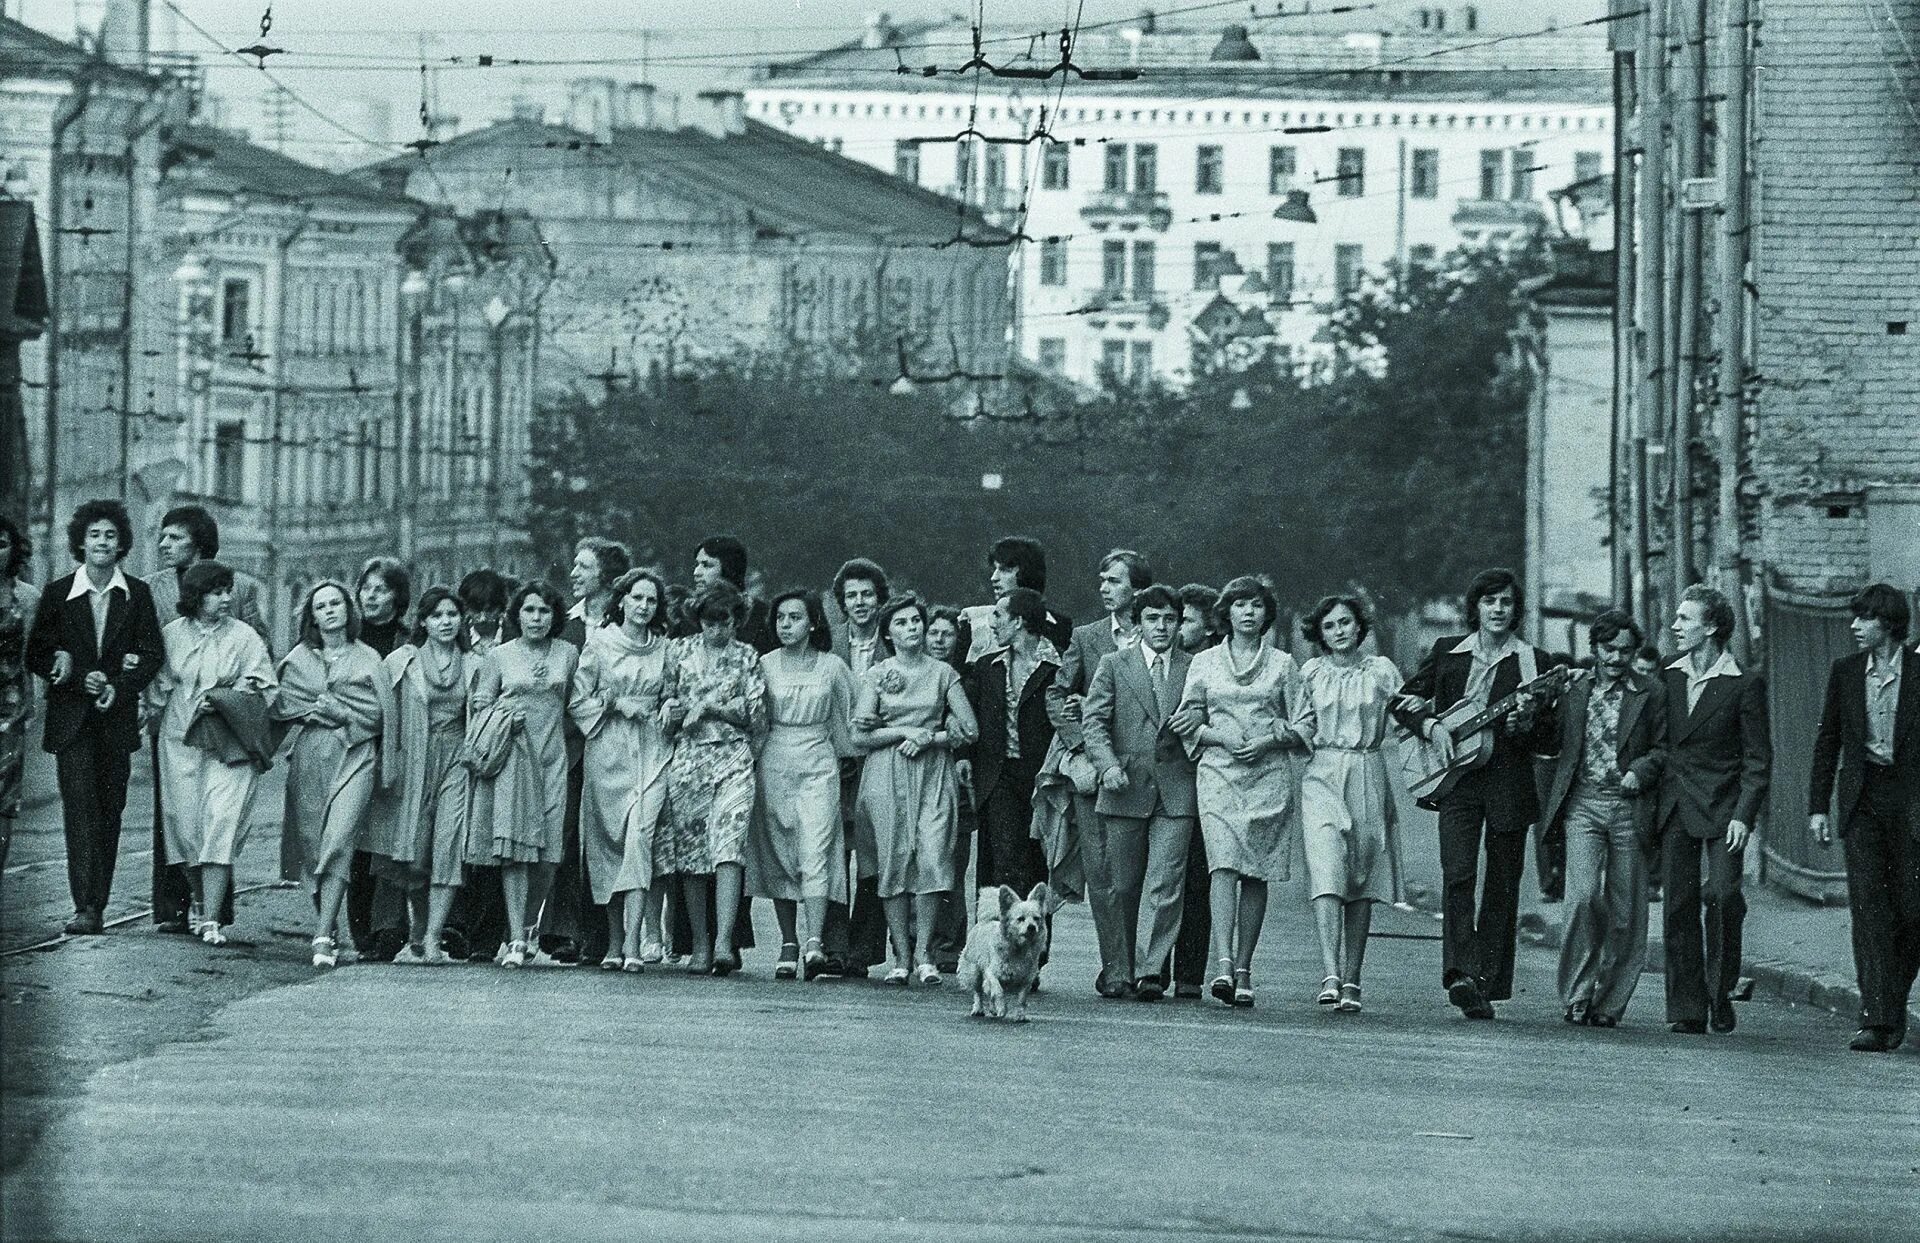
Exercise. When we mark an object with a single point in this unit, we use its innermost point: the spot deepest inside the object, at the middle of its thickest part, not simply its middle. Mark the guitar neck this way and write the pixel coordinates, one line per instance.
(1504, 707)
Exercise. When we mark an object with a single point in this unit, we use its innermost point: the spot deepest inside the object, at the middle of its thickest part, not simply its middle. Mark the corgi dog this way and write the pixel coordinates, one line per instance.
(1001, 963)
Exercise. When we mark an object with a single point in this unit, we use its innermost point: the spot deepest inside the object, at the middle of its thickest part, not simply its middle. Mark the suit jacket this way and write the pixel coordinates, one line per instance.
(843, 646)
(976, 633)
(246, 601)
(986, 686)
(1719, 755)
(1441, 679)
(63, 625)
(1642, 747)
(1840, 746)
(1089, 643)
(1126, 728)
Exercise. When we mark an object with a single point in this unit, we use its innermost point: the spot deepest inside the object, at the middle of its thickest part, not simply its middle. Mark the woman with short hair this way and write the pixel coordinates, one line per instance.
(796, 856)
(1346, 802)
(18, 599)
(515, 740)
(1233, 716)
(339, 700)
(616, 704)
(716, 706)
(383, 591)
(911, 713)
(207, 796)
(433, 677)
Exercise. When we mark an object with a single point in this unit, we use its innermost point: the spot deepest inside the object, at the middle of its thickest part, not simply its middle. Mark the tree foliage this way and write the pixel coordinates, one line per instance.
(1396, 465)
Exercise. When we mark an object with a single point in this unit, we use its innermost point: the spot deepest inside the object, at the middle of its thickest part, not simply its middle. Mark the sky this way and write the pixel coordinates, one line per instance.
(356, 63)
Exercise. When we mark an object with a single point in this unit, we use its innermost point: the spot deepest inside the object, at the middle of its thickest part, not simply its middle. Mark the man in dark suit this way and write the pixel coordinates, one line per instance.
(188, 534)
(1007, 689)
(1013, 561)
(1123, 572)
(1869, 745)
(1498, 799)
(1146, 804)
(96, 640)
(854, 936)
(1613, 741)
(1719, 760)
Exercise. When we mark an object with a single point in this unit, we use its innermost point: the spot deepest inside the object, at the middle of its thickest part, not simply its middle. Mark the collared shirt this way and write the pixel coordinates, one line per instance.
(1159, 672)
(1480, 677)
(83, 586)
(1697, 682)
(1883, 702)
(1016, 689)
(860, 654)
(1599, 767)
(1124, 638)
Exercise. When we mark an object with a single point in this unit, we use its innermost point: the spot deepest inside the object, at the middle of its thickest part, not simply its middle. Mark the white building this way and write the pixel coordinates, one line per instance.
(1378, 148)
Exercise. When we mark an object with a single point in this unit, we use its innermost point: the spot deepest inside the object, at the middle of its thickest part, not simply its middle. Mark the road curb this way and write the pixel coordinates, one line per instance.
(1781, 979)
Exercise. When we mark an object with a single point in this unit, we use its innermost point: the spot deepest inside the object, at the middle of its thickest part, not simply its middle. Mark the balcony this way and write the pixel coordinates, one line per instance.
(1127, 210)
(1124, 307)
(1486, 219)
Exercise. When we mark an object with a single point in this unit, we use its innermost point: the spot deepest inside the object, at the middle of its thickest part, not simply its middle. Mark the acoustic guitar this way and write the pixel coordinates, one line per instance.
(1430, 775)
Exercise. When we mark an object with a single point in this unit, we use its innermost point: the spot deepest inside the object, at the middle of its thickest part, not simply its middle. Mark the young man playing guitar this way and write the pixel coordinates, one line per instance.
(1491, 803)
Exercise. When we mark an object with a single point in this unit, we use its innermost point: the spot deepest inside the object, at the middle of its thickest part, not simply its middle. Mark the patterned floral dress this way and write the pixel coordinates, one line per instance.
(710, 781)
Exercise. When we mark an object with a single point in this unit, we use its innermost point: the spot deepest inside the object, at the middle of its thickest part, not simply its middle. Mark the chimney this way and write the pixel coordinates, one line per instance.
(721, 113)
(637, 105)
(126, 33)
(879, 32)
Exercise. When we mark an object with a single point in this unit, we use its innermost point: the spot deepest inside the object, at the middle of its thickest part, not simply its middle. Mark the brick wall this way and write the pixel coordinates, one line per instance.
(1837, 258)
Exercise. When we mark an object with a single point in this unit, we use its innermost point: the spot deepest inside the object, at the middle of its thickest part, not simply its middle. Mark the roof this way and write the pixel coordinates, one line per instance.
(1562, 67)
(24, 48)
(781, 182)
(223, 160)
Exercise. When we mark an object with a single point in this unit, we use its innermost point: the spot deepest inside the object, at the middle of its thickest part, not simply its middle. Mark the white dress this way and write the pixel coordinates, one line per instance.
(795, 846)
(1346, 802)
(1247, 808)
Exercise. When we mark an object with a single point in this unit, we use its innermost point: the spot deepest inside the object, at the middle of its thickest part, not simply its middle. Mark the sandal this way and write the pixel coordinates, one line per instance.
(788, 968)
(212, 934)
(516, 955)
(928, 973)
(1243, 987)
(612, 962)
(1329, 991)
(409, 955)
(1222, 985)
(196, 919)
(813, 963)
(325, 952)
(1349, 999)
(727, 963)
(436, 957)
(652, 952)
(632, 966)
(896, 976)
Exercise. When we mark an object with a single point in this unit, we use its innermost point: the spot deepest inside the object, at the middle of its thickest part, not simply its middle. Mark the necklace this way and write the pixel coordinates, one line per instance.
(539, 659)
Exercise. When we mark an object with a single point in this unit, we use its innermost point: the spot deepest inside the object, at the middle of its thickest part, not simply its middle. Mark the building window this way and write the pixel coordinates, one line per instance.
(1522, 184)
(1114, 171)
(1141, 365)
(1352, 172)
(963, 169)
(1053, 355)
(1143, 270)
(1113, 266)
(906, 160)
(1280, 272)
(229, 455)
(236, 314)
(996, 170)
(1053, 262)
(1113, 361)
(1209, 171)
(1346, 269)
(1586, 165)
(1421, 256)
(1146, 168)
(1053, 167)
(1209, 264)
(1423, 181)
(1493, 167)
(1282, 164)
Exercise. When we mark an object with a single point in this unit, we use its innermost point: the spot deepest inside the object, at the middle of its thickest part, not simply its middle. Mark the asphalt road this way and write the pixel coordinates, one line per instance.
(155, 1089)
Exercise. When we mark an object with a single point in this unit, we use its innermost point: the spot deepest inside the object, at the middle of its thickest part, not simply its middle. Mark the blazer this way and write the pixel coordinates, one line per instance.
(976, 632)
(1840, 745)
(1642, 748)
(1441, 679)
(1084, 651)
(246, 601)
(132, 631)
(986, 686)
(1126, 728)
(1719, 755)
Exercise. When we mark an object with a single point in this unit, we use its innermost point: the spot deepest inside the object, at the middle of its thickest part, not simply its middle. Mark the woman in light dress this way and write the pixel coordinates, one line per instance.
(1234, 716)
(617, 700)
(18, 599)
(716, 707)
(433, 677)
(339, 699)
(1346, 804)
(207, 801)
(515, 736)
(795, 854)
(910, 715)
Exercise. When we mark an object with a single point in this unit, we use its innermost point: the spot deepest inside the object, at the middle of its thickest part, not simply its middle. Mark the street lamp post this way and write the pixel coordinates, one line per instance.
(408, 391)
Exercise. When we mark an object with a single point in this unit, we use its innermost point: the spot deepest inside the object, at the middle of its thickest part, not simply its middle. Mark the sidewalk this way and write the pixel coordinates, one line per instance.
(1793, 950)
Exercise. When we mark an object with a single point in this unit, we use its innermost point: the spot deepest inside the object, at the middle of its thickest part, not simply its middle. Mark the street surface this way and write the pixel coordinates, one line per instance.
(159, 1090)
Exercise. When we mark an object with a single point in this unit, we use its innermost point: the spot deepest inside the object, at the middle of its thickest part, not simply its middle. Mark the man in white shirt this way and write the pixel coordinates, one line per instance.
(854, 937)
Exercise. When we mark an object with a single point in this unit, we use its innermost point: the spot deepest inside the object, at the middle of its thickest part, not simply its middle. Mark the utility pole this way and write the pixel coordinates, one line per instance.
(1655, 275)
(1735, 233)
